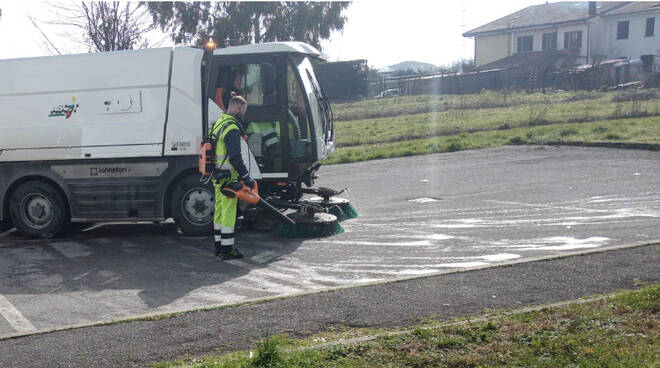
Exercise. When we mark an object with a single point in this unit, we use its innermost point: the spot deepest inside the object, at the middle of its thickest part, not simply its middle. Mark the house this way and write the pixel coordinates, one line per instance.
(592, 32)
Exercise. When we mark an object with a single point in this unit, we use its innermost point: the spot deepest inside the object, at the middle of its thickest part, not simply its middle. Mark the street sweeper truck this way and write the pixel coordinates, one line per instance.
(115, 136)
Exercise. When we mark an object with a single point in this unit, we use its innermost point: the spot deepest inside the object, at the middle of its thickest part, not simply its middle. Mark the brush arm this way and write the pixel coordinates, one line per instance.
(276, 212)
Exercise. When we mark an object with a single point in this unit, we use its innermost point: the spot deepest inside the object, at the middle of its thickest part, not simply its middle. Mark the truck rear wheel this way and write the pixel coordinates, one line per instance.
(37, 209)
(192, 204)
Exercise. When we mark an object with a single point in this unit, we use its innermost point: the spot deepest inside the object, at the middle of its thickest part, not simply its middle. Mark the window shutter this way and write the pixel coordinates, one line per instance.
(579, 39)
(650, 27)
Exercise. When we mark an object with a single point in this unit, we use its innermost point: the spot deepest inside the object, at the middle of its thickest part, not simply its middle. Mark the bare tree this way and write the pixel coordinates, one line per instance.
(99, 25)
(111, 26)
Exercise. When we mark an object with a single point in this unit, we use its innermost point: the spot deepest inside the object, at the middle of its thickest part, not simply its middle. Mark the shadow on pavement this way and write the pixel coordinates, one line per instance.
(154, 260)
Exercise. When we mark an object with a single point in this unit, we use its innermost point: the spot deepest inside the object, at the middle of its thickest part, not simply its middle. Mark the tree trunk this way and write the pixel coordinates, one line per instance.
(256, 24)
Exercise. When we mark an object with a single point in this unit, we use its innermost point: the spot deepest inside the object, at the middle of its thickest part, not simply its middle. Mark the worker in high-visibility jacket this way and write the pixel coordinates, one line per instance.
(229, 166)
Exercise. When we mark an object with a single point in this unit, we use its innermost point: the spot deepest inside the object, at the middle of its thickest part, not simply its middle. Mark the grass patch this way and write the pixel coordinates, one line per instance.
(416, 126)
(636, 96)
(644, 130)
(405, 105)
(389, 107)
(620, 331)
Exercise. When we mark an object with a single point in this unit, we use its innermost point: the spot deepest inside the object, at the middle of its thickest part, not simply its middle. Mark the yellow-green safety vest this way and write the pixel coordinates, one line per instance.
(220, 128)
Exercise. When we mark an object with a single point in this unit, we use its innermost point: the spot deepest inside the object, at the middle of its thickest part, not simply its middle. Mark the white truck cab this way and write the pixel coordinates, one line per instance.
(115, 136)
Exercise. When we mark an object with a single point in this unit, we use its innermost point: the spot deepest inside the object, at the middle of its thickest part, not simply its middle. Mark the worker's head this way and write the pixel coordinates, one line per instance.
(237, 80)
(237, 106)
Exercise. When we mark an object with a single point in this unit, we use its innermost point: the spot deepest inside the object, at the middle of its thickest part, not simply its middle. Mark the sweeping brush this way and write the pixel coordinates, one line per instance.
(340, 207)
(349, 211)
(318, 226)
(336, 210)
(296, 225)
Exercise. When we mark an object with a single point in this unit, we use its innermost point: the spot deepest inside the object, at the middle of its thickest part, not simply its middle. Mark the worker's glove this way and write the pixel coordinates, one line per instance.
(247, 180)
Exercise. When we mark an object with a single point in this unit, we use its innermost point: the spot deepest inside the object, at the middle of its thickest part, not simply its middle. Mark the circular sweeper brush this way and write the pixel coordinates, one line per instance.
(316, 225)
(340, 207)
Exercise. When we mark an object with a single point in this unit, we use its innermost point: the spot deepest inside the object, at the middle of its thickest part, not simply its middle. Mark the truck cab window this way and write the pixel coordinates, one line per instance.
(255, 82)
(231, 79)
(299, 128)
(263, 132)
(260, 84)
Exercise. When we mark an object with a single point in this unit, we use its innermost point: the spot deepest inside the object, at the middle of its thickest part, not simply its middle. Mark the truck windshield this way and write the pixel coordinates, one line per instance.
(321, 112)
(299, 119)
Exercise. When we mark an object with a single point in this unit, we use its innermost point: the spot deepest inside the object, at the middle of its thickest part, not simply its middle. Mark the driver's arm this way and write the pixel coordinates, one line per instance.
(218, 98)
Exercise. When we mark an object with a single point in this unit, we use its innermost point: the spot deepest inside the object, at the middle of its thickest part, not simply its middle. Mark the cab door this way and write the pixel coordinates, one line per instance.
(263, 85)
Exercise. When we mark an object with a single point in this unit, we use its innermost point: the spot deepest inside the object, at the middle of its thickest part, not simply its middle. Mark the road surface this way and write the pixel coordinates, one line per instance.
(419, 215)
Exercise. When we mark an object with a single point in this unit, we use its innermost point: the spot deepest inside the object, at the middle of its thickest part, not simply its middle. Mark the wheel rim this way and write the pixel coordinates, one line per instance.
(36, 210)
(197, 206)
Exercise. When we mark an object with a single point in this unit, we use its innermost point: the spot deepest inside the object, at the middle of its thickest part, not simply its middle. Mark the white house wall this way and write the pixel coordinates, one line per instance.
(491, 48)
(636, 44)
(537, 34)
(582, 54)
(598, 39)
(495, 47)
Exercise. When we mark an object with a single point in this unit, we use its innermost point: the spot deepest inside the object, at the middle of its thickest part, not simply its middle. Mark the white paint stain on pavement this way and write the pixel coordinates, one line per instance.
(459, 224)
(463, 264)
(423, 200)
(428, 269)
(420, 243)
(320, 273)
(499, 257)
(15, 318)
(432, 236)
(560, 243)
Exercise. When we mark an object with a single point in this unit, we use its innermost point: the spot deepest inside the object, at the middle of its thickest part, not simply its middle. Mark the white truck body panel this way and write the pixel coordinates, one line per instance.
(184, 124)
(105, 105)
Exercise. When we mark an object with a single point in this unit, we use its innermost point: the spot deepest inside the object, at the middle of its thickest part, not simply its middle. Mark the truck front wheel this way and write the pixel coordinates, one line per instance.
(192, 204)
(37, 209)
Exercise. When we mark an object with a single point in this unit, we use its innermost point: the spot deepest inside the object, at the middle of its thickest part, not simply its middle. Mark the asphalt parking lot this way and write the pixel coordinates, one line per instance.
(419, 215)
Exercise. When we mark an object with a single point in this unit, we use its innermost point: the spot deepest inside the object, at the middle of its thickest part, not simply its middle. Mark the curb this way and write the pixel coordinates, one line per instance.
(174, 313)
(621, 145)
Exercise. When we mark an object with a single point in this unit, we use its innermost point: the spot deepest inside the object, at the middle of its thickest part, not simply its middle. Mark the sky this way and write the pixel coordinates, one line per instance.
(382, 32)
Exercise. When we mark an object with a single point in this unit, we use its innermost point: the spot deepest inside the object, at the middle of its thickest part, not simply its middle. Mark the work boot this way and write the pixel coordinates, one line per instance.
(232, 253)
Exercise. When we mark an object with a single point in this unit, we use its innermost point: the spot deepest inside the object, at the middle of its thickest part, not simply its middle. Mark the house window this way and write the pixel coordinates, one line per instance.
(549, 41)
(622, 30)
(573, 40)
(525, 43)
(650, 27)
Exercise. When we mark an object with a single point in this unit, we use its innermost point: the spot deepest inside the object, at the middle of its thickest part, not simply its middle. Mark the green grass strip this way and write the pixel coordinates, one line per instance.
(615, 331)
(404, 105)
(640, 130)
(424, 125)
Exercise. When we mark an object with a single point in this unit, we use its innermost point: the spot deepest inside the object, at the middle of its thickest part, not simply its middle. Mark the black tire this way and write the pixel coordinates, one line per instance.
(192, 205)
(37, 209)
